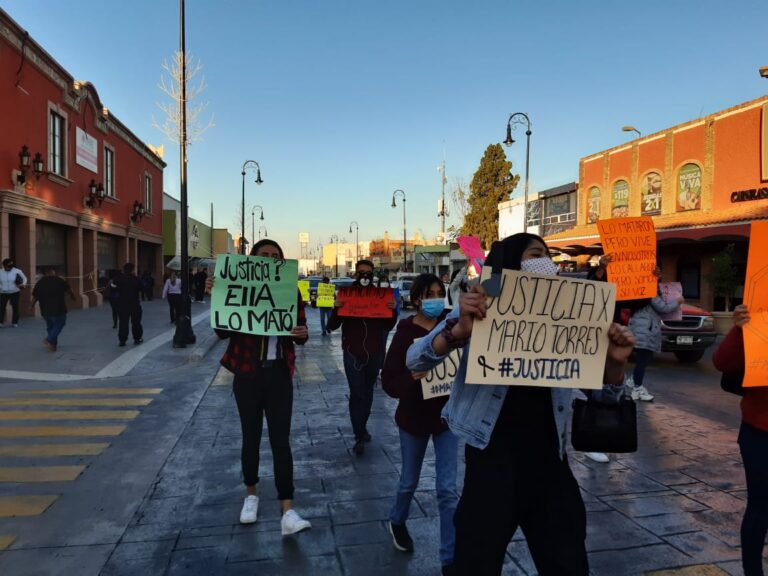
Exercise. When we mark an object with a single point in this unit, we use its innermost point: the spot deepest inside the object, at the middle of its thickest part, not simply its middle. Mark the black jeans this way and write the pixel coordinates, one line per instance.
(115, 312)
(134, 316)
(754, 452)
(361, 376)
(501, 494)
(174, 305)
(14, 300)
(643, 358)
(267, 392)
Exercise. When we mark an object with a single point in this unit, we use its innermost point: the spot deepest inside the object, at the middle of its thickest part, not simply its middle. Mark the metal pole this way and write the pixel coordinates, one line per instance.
(405, 240)
(242, 222)
(527, 160)
(357, 244)
(253, 212)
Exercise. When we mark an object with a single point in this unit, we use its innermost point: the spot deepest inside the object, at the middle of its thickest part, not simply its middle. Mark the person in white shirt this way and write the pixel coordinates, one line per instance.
(172, 291)
(11, 281)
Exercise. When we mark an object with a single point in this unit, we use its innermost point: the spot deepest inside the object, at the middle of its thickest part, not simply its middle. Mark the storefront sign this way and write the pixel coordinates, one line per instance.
(689, 187)
(86, 150)
(751, 194)
(593, 205)
(650, 192)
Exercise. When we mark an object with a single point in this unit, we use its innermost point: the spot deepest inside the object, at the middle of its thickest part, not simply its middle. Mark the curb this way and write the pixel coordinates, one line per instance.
(206, 345)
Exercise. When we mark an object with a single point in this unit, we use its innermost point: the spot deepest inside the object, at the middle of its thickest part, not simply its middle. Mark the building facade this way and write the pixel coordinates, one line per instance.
(703, 182)
(79, 192)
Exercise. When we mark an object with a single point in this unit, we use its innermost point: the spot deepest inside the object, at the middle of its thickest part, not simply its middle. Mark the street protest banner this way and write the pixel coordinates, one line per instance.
(671, 292)
(632, 243)
(304, 289)
(756, 298)
(254, 295)
(548, 331)
(470, 245)
(326, 295)
(368, 302)
(439, 381)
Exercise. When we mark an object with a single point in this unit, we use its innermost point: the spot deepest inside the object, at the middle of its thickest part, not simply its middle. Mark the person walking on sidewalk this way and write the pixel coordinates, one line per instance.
(147, 285)
(517, 472)
(129, 305)
(418, 420)
(112, 295)
(172, 292)
(11, 281)
(199, 278)
(263, 385)
(50, 291)
(363, 344)
(325, 312)
(753, 442)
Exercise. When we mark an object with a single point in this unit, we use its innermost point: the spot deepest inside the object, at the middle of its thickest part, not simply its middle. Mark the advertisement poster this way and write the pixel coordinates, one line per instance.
(689, 187)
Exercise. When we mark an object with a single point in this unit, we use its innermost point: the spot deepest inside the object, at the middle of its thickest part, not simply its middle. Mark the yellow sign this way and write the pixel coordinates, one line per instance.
(326, 295)
(304, 289)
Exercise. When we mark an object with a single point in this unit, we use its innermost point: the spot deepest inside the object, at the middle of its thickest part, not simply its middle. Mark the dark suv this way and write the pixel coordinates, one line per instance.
(690, 337)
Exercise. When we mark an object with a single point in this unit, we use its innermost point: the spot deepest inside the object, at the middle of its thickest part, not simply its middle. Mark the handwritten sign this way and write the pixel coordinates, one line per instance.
(326, 295)
(632, 243)
(369, 302)
(304, 289)
(439, 381)
(671, 292)
(254, 295)
(470, 245)
(756, 299)
(548, 331)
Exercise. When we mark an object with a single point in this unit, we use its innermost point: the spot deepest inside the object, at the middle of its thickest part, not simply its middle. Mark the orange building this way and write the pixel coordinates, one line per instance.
(703, 182)
(79, 192)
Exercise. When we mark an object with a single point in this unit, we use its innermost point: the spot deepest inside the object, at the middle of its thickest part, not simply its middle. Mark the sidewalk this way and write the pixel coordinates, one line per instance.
(88, 346)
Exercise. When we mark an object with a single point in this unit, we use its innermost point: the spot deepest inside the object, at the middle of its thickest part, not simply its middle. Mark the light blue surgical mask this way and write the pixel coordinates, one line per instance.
(432, 308)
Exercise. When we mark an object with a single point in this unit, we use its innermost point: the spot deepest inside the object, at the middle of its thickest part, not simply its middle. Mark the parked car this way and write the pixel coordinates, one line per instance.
(404, 286)
(688, 338)
(342, 282)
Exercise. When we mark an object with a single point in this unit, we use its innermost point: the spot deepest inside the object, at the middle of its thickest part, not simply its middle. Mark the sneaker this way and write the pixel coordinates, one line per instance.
(642, 394)
(138, 340)
(121, 344)
(50, 345)
(15, 325)
(359, 447)
(292, 523)
(400, 537)
(597, 457)
(250, 508)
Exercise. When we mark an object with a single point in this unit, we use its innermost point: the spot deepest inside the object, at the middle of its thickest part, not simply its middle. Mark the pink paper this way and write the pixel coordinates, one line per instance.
(470, 245)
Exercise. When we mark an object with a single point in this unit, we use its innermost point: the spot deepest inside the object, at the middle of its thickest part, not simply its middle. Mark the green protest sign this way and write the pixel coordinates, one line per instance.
(254, 295)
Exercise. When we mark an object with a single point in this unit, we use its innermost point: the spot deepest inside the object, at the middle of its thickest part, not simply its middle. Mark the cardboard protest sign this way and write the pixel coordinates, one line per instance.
(368, 302)
(756, 299)
(254, 295)
(632, 243)
(439, 381)
(671, 292)
(470, 245)
(304, 289)
(548, 331)
(326, 295)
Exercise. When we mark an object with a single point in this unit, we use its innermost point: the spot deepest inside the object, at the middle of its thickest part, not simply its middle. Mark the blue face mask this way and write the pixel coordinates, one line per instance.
(432, 308)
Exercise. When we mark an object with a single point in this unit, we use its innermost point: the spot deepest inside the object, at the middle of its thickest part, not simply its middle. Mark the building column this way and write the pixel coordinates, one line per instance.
(25, 241)
(75, 269)
(123, 252)
(90, 265)
(160, 271)
(5, 238)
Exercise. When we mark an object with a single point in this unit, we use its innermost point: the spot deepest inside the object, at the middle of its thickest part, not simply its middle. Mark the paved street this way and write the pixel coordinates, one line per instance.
(128, 465)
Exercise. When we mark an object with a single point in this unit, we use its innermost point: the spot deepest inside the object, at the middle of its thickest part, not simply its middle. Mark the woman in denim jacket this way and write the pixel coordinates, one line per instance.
(517, 473)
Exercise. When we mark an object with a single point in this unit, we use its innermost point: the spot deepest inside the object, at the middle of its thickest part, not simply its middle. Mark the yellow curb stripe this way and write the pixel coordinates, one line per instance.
(68, 414)
(40, 473)
(84, 402)
(108, 391)
(32, 431)
(36, 450)
(11, 506)
(6, 540)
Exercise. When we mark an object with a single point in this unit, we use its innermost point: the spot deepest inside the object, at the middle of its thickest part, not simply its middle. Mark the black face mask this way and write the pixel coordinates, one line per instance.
(365, 278)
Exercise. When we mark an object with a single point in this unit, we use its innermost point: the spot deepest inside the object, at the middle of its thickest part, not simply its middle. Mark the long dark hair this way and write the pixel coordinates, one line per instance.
(421, 285)
(513, 248)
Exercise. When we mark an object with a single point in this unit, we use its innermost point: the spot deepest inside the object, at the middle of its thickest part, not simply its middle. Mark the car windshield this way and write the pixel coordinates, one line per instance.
(407, 284)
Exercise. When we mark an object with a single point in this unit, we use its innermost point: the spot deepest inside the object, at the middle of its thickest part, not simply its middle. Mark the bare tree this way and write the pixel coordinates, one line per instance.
(460, 201)
(170, 85)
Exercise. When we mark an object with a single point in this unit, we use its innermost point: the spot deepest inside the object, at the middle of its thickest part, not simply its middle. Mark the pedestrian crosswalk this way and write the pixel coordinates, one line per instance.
(45, 435)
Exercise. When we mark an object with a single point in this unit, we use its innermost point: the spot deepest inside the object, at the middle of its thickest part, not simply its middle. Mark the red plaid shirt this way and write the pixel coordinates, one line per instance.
(246, 352)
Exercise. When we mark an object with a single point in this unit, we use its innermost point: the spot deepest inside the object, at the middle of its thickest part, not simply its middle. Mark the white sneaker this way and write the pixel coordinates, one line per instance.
(597, 457)
(293, 523)
(641, 393)
(250, 508)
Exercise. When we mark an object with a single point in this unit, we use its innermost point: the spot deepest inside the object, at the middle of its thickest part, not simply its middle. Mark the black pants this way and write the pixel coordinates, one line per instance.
(361, 377)
(14, 300)
(267, 392)
(174, 305)
(754, 452)
(501, 494)
(134, 316)
(115, 312)
(643, 358)
(199, 292)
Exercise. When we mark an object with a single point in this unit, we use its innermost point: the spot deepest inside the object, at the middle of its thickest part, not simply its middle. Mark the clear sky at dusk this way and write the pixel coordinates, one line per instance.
(341, 102)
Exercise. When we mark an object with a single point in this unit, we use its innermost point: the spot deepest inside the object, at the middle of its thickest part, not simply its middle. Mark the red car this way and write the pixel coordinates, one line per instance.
(688, 338)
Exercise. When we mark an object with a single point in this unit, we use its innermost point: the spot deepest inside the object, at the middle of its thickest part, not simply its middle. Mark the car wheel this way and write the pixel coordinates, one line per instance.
(689, 355)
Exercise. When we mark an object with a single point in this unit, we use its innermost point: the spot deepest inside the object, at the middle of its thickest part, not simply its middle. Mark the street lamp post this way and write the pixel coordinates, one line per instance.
(522, 119)
(247, 164)
(357, 239)
(335, 238)
(253, 218)
(405, 246)
(265, 231)
(631, 129)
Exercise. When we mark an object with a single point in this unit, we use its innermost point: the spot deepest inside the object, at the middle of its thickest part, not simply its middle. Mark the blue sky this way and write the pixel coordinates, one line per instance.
(341, 102)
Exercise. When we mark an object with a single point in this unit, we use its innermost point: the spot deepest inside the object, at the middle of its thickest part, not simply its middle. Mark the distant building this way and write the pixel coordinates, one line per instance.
(549, 212)
(199, 237)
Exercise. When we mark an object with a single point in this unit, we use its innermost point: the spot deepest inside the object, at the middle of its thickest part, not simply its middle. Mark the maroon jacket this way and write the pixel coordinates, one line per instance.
(729, 357)
(414, 414)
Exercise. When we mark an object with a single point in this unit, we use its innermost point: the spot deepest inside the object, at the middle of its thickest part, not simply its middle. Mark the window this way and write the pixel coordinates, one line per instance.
(147, 193)
(109, 171)
(57, 131)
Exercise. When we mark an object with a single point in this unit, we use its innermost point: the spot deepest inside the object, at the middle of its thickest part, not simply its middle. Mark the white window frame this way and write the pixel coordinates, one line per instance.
(109, 171)
(55, 111)
(148, 192)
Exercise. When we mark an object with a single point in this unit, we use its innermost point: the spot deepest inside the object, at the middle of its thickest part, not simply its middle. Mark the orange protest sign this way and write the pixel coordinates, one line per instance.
(756, 299)
(632, 243)
(369, 302)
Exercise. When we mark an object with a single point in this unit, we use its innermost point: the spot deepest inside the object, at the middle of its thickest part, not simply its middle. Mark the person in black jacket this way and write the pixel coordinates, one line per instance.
(129, 290)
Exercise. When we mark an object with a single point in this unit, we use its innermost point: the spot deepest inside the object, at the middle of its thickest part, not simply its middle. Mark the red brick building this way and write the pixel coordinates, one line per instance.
(78, 190)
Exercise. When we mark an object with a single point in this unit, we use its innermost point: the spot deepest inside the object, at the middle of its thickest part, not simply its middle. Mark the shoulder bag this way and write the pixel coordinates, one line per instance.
(601, 427)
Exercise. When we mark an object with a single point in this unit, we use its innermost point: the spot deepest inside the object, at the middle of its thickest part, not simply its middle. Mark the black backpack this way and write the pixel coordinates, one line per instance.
(732, 382)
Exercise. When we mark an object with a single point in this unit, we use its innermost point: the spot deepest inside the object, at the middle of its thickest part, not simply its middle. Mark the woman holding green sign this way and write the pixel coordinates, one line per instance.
(263, 367)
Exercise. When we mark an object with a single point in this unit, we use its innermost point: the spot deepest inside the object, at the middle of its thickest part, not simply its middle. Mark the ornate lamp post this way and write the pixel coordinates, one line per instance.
(357, 238)
(405, 245)
(252, 164)
(335, 238)
(265, 231)
(253, 218)
(522, 119)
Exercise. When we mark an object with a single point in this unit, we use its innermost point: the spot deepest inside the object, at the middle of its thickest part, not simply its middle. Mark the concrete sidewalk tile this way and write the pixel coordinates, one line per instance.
(704, 547)
(700, 570)
(327, 565)
(80, 560)
(612, 531)
(636, 561)
(651, 505)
